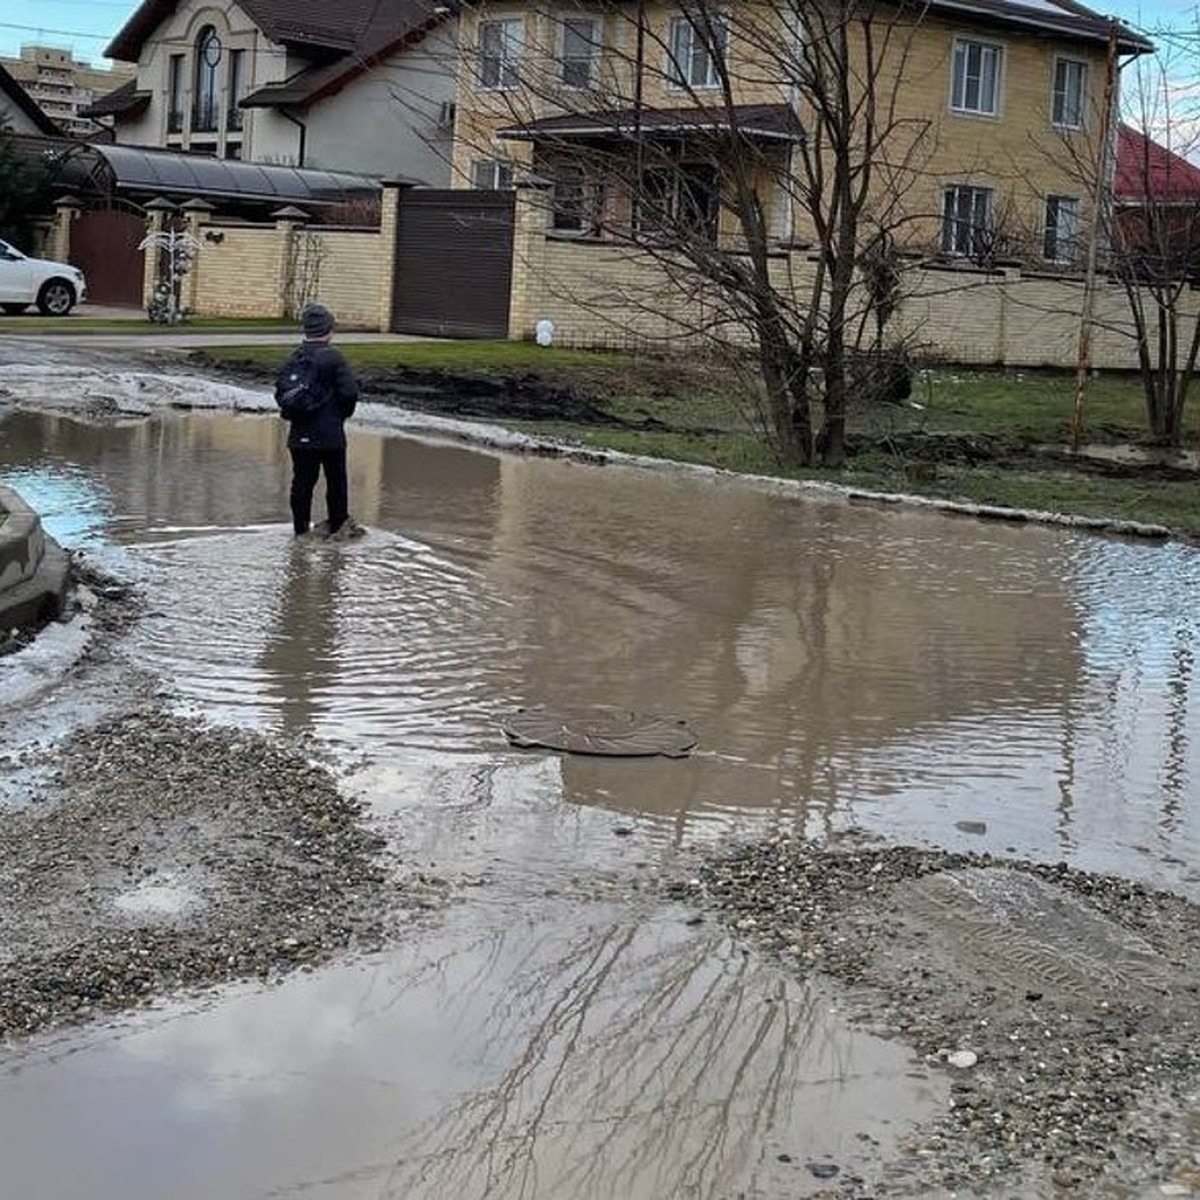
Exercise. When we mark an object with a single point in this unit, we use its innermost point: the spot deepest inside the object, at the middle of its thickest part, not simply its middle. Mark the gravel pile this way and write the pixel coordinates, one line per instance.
(160, 853)
(1062, 1005)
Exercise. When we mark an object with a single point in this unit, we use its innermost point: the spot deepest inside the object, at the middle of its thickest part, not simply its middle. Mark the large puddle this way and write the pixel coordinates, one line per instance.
(982, 687)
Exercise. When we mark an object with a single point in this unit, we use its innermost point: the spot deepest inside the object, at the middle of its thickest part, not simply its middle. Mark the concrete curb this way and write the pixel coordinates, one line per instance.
(34, 569)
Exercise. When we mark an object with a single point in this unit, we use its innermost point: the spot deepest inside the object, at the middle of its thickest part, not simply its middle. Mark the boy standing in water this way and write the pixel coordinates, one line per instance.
(316, 392)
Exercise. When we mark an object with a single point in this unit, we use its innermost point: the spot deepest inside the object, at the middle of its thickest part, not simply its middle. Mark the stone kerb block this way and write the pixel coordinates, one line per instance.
(22, 542)
(35, 571)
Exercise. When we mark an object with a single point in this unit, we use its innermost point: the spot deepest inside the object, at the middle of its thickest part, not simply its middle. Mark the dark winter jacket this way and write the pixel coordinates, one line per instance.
(323, 429)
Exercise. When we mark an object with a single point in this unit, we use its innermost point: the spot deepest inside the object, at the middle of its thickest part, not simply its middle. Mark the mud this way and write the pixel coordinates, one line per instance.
(521, 397)
(1061, 1004)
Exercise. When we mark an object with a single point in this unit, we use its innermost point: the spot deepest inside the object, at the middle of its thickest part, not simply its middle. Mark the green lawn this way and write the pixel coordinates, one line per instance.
(137, 325)
(967, 434)
(493, 357)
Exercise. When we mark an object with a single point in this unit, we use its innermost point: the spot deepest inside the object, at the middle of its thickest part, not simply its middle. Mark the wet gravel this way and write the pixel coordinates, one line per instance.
(1068, 1077)
(157, 852)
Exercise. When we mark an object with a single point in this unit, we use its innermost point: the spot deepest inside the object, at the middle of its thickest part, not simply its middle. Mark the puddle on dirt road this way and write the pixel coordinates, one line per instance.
(554, 1033)
(984, 687)
(590, 1054)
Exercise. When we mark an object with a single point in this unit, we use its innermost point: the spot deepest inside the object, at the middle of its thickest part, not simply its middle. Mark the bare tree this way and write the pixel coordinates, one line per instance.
(1154, 234)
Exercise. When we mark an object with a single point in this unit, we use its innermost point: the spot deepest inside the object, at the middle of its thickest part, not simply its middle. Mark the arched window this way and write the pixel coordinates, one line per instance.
(208, 59)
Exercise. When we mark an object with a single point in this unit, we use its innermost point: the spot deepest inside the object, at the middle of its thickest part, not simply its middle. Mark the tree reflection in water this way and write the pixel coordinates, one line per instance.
(641, 1061)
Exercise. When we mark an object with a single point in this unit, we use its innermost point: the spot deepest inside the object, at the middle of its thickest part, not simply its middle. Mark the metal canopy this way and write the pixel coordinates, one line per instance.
(165, 172)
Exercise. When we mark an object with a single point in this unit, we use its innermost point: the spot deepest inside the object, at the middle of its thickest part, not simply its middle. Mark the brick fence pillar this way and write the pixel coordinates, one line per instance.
(389, 231)
(158, 212)
(66, 209)
(289, 221)
(531, 221)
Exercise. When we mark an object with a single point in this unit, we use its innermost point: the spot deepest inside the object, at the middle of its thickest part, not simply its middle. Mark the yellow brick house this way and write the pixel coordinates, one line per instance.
(627, 109)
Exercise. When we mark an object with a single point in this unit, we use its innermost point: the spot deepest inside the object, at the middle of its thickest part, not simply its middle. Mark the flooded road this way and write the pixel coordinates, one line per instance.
(980, 687)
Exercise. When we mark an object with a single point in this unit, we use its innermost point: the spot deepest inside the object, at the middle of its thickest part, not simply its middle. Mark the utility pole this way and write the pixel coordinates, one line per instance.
(1083, 360)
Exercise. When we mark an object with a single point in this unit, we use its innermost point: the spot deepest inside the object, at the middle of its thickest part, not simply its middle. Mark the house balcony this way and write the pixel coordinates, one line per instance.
(204, 117)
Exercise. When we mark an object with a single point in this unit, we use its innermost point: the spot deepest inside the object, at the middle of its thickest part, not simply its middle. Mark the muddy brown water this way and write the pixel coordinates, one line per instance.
(557, 1033)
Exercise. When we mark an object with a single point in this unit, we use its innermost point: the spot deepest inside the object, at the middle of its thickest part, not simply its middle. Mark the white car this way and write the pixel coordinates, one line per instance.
(53, 286)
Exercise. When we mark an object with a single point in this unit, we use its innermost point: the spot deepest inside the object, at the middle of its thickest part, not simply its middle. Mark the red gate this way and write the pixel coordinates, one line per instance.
(104, 246)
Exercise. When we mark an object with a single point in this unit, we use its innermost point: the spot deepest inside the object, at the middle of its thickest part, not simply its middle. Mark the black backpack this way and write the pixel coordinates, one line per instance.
(298, 389)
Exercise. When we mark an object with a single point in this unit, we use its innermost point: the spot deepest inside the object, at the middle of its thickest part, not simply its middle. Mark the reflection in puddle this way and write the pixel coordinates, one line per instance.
(540, 1053)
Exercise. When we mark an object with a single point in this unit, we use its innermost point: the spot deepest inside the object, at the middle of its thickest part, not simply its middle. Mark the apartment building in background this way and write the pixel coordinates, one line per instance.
(61, 85)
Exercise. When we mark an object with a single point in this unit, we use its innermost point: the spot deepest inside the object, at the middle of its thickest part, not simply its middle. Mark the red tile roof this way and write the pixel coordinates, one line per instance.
(1147, 171)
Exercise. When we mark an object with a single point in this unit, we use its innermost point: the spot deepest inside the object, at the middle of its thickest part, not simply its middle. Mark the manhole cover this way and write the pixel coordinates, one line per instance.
(600, 731)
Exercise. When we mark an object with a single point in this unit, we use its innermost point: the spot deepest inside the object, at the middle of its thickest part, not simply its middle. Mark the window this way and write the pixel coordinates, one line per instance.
(491, 174)
(578, 52)
(1060, 243)
(175, 94)
(697, 52)
(966, 220)
(575, 202)
(684, 202)
(976, 83)
(235, 117)
(1070, 91)
(208, 58)
(500, 44)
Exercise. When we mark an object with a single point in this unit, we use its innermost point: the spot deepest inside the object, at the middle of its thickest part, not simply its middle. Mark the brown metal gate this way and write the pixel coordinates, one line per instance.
(454, 263)
(104, 246)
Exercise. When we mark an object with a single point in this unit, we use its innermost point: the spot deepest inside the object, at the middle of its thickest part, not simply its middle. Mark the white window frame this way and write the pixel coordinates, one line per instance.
(506, 57)
(592, 39)
(1059, 244)
(960, 76)
(1058, 114)
(953, 226)
(492, 174)
(684, 55)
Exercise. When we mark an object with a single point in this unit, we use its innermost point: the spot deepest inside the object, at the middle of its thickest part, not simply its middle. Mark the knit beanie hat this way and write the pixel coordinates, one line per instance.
(317, 321)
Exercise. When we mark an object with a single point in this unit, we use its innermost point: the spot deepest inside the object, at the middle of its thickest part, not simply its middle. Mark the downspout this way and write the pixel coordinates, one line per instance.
(287, 116)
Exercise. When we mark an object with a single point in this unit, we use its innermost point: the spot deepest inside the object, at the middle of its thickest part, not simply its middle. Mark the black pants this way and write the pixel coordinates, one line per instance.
(306, 466)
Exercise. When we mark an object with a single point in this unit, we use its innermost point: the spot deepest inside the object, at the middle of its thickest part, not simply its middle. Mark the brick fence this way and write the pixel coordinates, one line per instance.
(602, 294)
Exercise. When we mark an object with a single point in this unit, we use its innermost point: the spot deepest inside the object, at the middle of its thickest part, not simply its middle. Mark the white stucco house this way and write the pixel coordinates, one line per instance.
(19, 112)
(342, 85)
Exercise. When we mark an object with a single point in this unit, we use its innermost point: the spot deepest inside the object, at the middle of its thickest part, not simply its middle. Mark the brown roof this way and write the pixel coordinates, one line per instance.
(394, 25)
(361, 32)
(345, 25)
(25, 102)
(125, 99)
(773, 121)
(1063, 17)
